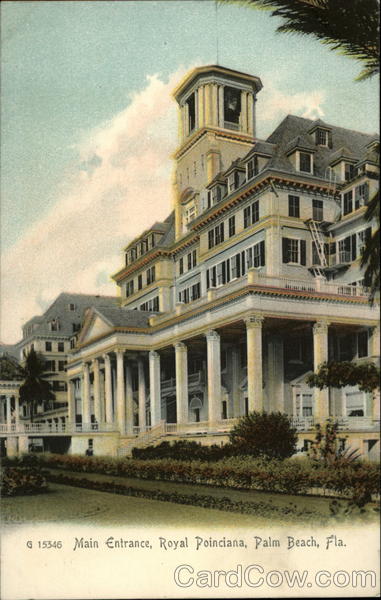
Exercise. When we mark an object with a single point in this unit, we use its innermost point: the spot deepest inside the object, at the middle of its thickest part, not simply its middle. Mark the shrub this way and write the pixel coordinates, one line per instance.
(183, 450)
(264, 434)
(21, 481)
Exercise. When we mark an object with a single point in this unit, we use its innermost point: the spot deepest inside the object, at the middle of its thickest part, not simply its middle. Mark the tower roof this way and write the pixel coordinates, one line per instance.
(216, 70)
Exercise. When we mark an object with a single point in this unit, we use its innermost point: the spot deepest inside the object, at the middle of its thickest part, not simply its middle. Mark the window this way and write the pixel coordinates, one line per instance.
(140, 281)
(349, 171)
(72, 307)
(347, 249)
(251, 214)
(305, 162)
(361, 195)
(181, 265)
(191, 114)
(233, 182)
(61, 347)
(232, 107)
(48, 346)
(61, 365)
(190, 214)
(59, 386)
(216, 194)
(322, 137)
(348, 202)
(50, 365)
(129, 288)
(190, 294)
(231, 226)
(54, 325)
(252, 168)
(150, 275)
(151, 305)
(75, 327)
(362, 239)
(216, 235)
(293, 206)
(317, 210)
(192, 259)
(294, 251)
(362, 344)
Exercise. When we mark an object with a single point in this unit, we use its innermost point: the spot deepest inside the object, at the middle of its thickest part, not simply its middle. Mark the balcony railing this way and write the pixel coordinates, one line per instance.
(56, 428)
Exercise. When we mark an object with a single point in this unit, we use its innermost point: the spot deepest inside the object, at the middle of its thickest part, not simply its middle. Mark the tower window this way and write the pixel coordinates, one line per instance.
(232, 106)
(191, 113)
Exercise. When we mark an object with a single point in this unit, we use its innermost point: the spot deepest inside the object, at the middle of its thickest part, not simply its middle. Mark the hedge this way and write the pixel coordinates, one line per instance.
(358, 480)
(264, 509)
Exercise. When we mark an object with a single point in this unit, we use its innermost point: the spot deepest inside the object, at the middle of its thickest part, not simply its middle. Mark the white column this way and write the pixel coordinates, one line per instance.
(235, 366)
(129, 401)
(86, 417)
(221, 105)
(275, 374)
(320, 340)
(154, 387)
(120, 392)
(71, 402)
(208, 105)
(181, 357)
(108, 389)
(17, 411)
(200, 106)
(141, 394)
(8, 411)
(214, 104)
(97, 392)
(254, 362)
(244, 111)
(214, 376)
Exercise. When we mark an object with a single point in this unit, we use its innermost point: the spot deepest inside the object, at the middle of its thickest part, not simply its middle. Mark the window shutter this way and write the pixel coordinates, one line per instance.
(207, 279)
(223, 272)
(353, 244)
(228, 270)
(285, 250)
(332, 248)
(238, 265)
(303, 252)
(262, 253)
(368, 234)
(357, 194)
(330, 139)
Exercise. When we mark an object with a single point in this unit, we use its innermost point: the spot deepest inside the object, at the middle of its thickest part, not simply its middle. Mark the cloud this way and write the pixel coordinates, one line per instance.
(275, 104)
(119, 187)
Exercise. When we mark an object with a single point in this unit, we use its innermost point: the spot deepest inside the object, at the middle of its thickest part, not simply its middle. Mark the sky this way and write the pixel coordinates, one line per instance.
(89, 126)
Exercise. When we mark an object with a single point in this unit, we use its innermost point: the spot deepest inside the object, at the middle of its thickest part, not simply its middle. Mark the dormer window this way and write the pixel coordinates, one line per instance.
(54, 325)
(233, 182)
(349, 171)
(305, 162)
(190, 214)
(321, 137)
(252, 168)
(72, 306)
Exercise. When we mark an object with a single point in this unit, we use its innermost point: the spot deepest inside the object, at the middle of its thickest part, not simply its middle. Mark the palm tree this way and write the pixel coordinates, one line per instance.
(350, 27)
(35, 389)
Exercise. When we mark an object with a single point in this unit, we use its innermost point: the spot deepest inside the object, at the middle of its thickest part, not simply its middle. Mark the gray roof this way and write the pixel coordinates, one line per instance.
(169, 237)
(124, 317)
(60, 309)
(291, 127)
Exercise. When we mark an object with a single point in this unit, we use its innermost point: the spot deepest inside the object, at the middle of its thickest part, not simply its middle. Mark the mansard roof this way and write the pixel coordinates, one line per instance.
(60, 310)
(293, 127)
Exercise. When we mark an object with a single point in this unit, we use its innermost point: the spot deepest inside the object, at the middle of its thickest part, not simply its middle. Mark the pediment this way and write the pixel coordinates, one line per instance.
(95, 327)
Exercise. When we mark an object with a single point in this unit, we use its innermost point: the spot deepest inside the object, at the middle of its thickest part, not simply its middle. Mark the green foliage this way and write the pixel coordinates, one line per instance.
(265, 509)
(240, 472)
(264, 434)
(336, 374)
(371, 255)
(351, 28)
(325, 448)
(34, 389)
(183, 450)
(9, 369)
(21, 481)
